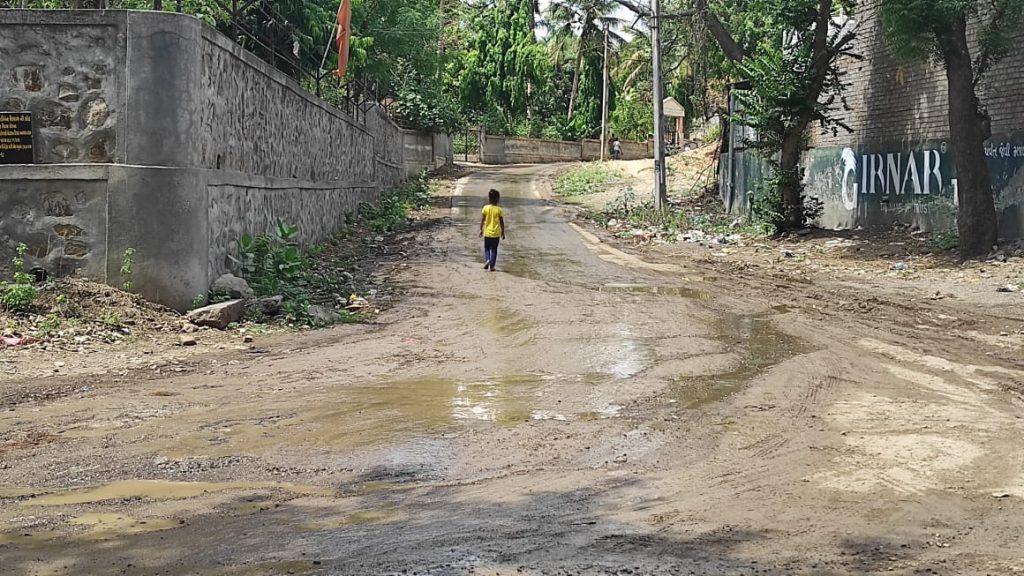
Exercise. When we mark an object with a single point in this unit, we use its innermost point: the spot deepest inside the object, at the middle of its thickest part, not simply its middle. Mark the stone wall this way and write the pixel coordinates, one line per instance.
(511, 150)
(185, 140)
(74, 88)
(425, 151)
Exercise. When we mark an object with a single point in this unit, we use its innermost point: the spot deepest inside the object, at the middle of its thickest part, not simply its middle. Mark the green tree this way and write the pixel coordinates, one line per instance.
(788, 51)
(580, 24)
(942, 29)
(506, 66)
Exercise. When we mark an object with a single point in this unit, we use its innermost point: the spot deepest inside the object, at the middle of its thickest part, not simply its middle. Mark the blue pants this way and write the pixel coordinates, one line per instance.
(491, 250)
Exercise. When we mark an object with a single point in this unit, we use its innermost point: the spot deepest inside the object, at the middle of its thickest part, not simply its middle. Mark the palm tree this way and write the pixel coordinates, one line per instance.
(580, 23)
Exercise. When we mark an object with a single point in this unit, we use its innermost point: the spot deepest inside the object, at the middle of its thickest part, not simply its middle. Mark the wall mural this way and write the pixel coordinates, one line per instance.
(922, 173)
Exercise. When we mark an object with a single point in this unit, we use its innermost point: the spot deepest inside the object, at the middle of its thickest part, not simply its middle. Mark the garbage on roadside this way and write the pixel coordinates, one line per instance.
(356, 302)
(14, 341)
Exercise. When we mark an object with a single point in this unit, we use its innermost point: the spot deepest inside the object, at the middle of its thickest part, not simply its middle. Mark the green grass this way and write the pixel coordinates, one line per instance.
(586, 179)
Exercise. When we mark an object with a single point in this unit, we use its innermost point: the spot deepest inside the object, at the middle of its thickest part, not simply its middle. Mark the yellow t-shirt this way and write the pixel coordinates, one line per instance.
(492, 221)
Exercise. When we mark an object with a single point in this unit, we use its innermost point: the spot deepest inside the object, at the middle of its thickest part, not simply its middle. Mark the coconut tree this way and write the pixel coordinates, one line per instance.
(581, 24)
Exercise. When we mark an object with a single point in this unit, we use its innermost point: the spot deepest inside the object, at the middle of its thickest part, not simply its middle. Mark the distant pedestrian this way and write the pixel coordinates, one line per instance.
(616, 148)
(492, 228)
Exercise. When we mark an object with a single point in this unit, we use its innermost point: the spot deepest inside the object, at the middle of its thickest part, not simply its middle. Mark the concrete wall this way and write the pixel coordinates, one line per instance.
(895, 166)
(194, 141)
(510, 150)
(425, 151)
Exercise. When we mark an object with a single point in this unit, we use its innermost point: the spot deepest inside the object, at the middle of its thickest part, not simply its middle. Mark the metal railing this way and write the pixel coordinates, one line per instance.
(355, 96)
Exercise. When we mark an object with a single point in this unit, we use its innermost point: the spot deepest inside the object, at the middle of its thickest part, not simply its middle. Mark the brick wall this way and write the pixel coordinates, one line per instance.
(896, 102)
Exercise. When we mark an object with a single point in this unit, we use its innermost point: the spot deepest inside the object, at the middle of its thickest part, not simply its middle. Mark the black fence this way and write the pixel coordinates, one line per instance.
(260, 27)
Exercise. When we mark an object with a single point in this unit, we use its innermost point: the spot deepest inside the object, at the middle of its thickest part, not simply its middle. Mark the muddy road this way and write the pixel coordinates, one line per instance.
(580, 411)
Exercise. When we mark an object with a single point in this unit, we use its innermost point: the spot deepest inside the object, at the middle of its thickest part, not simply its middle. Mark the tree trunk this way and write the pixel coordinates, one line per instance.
(968, 130)
(789, 184)
(576, 76)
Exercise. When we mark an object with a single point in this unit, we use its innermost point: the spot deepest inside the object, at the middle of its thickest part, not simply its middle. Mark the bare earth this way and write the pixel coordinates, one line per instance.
(581, 411)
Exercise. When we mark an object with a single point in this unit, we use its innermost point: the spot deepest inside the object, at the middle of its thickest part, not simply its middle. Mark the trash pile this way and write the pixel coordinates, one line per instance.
(75, 314)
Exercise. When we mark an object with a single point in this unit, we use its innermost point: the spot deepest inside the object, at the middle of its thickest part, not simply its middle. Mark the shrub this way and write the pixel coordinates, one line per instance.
(586, 179)
(19, 295)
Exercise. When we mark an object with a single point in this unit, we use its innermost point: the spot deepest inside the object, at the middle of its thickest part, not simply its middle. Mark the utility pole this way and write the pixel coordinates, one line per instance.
(604, 98)
(660, 195)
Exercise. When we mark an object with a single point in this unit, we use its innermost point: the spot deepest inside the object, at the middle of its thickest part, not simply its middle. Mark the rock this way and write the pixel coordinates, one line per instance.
(322, 314)
(232, 286)
(899, 266)
(217, 315)
(270, 306)
(1009, 288)
(803, 232)
(186, 340)
(247, 338)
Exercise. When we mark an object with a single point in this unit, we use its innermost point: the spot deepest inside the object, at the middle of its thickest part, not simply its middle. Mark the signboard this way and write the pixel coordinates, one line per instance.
(16, 138)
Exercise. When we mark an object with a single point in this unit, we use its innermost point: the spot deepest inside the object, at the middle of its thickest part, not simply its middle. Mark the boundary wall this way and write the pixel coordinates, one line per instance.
(154, 131)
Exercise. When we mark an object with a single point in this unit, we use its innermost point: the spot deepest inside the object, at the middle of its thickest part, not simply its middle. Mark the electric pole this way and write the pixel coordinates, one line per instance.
(660, 195)
(604, 98)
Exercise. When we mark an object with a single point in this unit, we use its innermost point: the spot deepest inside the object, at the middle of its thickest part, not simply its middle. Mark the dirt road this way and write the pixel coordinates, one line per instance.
(580, 411)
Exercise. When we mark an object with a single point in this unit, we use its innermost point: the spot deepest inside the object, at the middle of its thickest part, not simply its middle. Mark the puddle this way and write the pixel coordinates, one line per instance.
(105, 525)
(519, 267)
(622, 356)
(679, 291)
(761, 346)
(157, 490)
(610, 411)
(363, 414)
(355, 519)
(505, 322)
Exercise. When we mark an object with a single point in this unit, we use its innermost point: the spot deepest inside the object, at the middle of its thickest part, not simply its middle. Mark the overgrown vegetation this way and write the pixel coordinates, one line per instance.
(393, 206)
(587, 178)
(128, 270)
(17, 296)
(276, 264)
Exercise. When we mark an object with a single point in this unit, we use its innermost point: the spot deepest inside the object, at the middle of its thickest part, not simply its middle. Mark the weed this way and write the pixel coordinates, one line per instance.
(199, 301)
(51, 323)
(19, 295)
(392, 208)
(112, 319)
(586, 179)
(947, 239)
(128, 269)
(274, 265)
(627, 209)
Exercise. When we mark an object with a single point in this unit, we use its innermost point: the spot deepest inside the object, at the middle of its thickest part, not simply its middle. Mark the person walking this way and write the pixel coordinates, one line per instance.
(492, 228)
(616, 148)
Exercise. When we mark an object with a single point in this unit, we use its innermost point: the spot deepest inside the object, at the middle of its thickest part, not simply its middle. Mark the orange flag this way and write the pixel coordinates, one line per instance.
(344, 35)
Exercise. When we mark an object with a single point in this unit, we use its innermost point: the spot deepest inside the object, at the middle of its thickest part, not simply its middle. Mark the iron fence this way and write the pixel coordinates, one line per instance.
(258, 26)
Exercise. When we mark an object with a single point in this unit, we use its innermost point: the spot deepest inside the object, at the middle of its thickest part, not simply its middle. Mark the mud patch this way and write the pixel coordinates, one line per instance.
(678, 291)
(156, 490)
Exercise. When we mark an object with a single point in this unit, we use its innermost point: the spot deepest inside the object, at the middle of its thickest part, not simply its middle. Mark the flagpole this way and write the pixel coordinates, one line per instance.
(327, 51)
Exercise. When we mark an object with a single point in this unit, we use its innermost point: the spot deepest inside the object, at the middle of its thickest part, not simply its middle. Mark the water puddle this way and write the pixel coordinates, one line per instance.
(158, 490)
(520, 267)
(355, 519)
(505, 322)
(761, 346)
(106, 525)
(622, 356)
(680, 291)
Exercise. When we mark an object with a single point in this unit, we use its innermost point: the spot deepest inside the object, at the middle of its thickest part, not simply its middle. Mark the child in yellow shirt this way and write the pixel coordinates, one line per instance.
(492, 228)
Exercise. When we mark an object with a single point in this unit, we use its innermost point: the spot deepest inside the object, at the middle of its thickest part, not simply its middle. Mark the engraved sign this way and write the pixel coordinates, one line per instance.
(16, 138)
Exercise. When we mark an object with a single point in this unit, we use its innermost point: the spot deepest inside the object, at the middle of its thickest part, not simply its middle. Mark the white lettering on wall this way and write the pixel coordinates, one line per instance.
(892, 173)
(849, 167)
